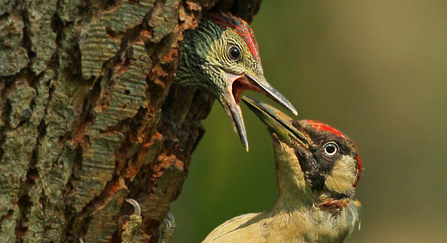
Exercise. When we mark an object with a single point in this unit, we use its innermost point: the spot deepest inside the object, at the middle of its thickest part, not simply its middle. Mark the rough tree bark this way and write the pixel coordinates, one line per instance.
(89, 116)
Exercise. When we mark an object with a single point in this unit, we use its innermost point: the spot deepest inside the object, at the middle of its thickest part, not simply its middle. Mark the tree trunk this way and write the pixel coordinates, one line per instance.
(89, 116)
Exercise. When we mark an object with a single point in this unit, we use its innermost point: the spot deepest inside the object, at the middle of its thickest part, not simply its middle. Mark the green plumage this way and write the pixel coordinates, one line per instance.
(208, 61)
(193, 65)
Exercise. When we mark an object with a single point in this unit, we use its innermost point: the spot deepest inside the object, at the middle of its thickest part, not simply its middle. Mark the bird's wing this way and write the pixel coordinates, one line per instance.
(228, 228)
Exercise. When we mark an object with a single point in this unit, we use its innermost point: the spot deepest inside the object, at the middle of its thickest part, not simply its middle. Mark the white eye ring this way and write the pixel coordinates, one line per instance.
(330, 148)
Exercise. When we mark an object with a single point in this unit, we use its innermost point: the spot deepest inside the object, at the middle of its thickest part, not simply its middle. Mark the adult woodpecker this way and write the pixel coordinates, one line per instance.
(221, 56)
(317, 170)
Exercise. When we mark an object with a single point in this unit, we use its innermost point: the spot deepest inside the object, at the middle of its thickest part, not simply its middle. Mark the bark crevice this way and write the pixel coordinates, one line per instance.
(88, 116)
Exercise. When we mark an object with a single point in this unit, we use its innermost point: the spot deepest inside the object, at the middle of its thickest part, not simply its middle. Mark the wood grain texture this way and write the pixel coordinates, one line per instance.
(89, 116)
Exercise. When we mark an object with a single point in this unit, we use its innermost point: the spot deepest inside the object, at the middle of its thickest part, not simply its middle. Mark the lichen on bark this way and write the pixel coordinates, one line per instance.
(89, 116)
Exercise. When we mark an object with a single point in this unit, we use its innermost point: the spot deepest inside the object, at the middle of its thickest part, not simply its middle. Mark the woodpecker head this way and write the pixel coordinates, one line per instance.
(312, 157)
(221, 56)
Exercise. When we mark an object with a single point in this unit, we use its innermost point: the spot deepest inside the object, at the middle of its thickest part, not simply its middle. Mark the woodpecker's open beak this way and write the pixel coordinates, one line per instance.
(236, 85)
(280, 123)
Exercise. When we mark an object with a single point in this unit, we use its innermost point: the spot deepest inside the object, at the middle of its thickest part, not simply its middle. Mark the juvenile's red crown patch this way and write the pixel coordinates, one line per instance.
(240, 26)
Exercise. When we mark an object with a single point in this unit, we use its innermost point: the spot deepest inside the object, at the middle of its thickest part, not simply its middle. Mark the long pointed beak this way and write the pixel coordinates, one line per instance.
(236, 85)
(232, 105)
(238, 122)
(273, 93)
(279, 122)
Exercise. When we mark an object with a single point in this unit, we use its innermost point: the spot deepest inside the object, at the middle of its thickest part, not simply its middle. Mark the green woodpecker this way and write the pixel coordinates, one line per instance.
(317, 170)
(221, 56)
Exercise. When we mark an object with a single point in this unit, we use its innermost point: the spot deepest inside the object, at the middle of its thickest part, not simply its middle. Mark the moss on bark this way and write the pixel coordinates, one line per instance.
(89, 116)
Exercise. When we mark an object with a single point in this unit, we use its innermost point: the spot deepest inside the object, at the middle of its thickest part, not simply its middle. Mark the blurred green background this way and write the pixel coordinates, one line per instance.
(377, 71)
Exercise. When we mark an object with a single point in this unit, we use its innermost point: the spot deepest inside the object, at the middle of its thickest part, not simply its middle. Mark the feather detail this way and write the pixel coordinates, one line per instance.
(240, 26)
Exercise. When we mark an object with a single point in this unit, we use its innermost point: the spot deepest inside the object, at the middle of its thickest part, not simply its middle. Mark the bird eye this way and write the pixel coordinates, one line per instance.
(330, 148)
(235, 53)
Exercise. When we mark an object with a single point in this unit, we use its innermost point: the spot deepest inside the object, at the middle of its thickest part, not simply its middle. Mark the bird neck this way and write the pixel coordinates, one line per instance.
(308, 223)
(290, 179)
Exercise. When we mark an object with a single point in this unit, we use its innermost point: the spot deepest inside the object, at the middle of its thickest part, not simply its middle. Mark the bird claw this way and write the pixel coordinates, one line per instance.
(132, 222)
(135, 205)
(167, 229)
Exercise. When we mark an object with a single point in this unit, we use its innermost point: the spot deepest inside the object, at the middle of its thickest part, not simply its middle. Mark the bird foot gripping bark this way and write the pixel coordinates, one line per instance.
(167, 229)
(130, 224)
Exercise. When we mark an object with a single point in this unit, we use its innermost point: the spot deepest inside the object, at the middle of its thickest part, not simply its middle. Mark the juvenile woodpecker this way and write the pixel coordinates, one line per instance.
(221, 56)
(317, 170)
